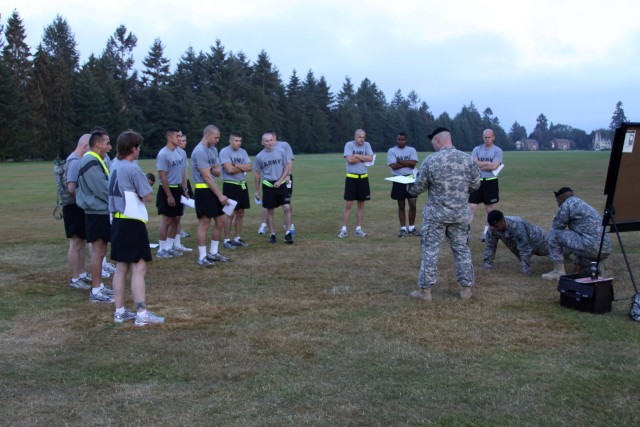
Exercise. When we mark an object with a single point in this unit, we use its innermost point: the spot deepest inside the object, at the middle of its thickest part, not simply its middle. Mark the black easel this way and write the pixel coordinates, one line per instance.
(609, 213)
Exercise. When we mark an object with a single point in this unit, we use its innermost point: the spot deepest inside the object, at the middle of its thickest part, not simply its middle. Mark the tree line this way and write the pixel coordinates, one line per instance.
(48, 99)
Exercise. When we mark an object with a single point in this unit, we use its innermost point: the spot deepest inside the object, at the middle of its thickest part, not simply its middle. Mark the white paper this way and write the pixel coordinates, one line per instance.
(629, 140)
(153, 245)
(497, 170)
(228, 209)
(134, 207)
(188, 202)
(257, 200)
(401, 179)
(372, 162)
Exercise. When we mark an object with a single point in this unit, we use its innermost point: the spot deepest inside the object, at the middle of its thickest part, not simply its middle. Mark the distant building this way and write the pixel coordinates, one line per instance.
(560, 144)
(528, 145)
(601, 143)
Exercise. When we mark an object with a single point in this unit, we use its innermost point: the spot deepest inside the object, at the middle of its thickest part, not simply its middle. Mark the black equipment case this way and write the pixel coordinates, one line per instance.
(584, 294)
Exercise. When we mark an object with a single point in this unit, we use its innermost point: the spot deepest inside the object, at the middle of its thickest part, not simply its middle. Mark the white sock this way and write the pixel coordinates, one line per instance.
(227, 240)
(403, 228)
(344, 228)
(162, 245)
(176, 241)
(104, 262)
(120, 310)
(95, 291)
(237, 238)
(170, 243)
(214, 246)
(264, 224)
(411, 228)
(82, 275)
(202, 252)
(358, 228)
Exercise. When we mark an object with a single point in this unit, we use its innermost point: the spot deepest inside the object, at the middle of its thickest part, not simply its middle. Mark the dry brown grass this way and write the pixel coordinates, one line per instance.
(320, 333)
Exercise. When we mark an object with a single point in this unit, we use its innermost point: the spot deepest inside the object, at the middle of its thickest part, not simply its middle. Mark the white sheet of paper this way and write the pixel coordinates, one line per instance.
(372, 162)
(401, 179)
(153, 245)
(497, 170)
(134, 207)
(188, 202)
(228, 209)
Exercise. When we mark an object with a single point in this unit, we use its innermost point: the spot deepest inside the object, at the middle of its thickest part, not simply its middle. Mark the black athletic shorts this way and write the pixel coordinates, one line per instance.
(487, 193)
(399, 192)
(237, 193)
(98, 227)
(74, 221)
(273, 197)
(207, 204)
(357, 189)
(129, 241)
(163, 205)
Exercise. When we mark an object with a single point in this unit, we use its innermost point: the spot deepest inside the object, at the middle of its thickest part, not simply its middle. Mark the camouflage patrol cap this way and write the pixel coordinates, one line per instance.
(562, 191)
(494, 217)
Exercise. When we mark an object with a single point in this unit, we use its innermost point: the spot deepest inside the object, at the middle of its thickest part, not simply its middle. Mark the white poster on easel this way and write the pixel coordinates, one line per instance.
(629, 140)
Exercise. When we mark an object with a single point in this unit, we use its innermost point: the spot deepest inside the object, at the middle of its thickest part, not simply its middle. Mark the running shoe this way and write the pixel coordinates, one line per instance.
(148, 318)
(217, 257)
(240, 242)
(127, 315)
(100, 297)
(360, 233)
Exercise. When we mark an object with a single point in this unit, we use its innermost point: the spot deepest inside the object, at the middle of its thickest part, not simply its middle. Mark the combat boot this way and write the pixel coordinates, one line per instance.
(558, 270)
(423, 294)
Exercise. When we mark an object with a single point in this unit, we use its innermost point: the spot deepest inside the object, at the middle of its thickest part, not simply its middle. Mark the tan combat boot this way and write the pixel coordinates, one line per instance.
(465, 292)
(558, 270)
(423, 294)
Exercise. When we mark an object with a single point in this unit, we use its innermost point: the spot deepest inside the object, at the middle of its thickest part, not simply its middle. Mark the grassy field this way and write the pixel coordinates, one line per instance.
(321, 332)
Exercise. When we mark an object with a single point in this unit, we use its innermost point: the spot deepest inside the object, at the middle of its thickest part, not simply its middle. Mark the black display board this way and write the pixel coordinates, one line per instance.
(623, 179)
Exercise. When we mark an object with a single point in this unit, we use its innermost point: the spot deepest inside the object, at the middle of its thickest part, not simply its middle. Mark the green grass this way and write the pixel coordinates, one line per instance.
(321, 332)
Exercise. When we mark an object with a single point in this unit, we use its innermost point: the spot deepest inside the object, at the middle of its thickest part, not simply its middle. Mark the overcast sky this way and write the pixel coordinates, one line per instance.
(567, 59)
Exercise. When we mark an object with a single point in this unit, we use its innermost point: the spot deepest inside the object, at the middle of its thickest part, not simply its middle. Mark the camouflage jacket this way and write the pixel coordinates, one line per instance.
(522, 238)
(450, 176)
(579, 217)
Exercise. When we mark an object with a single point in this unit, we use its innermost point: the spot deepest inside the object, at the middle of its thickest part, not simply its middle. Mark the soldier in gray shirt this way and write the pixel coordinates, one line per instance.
(577, 230)
(450, 176)
(523, 239)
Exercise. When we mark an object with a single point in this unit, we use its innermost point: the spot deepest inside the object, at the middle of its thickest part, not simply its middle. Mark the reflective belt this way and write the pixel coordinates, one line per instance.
(267, 183)
(242, 184)
(356, 176)
(488, 179)
(202, 185)
(123, 216)
(174, 186)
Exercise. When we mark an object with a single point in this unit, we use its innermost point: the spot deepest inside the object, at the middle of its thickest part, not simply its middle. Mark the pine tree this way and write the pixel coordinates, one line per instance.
(617, 118)
(16, 52)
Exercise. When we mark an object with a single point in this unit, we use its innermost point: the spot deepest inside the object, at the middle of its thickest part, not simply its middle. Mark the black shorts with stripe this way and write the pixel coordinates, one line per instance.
(74, 224)
(129, 241)
(207, 204)
(237, 193)
(488, 193)
(163, 204)
(357, 189)
(97, 227)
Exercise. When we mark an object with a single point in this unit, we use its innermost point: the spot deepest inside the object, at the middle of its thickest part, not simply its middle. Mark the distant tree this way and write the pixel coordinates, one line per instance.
(468, 127)
(16, 52)
(156, 72)
(580, 139)
(53, 113)
(541, 131)
(372, 104)
(266, 98)
(517, 132)
(617, 118)
(347, 115)
(12, 118)
(118, 58)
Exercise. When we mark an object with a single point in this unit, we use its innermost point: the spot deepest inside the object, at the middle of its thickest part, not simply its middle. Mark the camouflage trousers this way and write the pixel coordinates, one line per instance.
(432, 236)
(567, 242)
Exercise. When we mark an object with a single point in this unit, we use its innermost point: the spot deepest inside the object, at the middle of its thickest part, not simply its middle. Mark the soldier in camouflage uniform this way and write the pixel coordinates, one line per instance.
(449, 175)
(523, 239)
(577, 230)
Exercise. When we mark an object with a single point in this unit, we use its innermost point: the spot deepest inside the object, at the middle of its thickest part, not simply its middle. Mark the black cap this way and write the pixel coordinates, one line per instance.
(437, 131)
(494, 217)
(562, 191)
